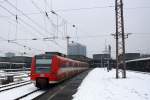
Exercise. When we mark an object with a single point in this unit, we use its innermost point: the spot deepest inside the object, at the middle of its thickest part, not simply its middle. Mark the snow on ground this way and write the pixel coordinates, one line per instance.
(17, 76)
(16, 92)
(102, 85)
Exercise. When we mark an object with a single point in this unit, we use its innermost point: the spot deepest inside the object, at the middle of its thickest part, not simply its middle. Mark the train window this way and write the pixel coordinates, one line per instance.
(43, 61)
(43, 65)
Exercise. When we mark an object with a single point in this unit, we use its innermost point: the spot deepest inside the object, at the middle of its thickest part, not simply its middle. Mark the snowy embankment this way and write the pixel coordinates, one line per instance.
(102, 85)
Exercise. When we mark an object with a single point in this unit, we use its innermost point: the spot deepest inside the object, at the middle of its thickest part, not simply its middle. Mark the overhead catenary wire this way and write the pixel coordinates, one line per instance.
(22, 21)
(142, 7)
(34, 22)
(27, 24)
(78, 9)
(13, 41)
(80, 37)
(65, 10)
(14, 15)
(23, 27)
(16, 21)
(86, 8)
(19, 44)
(46, 14)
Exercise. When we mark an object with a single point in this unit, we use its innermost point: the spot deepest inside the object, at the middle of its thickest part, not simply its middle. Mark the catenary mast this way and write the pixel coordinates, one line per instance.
(120, 39)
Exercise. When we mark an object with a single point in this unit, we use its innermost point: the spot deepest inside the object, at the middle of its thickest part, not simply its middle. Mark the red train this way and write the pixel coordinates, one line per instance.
(53, 67)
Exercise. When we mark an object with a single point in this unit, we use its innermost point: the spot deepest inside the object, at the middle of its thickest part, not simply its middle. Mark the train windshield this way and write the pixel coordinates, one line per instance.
(43, 65)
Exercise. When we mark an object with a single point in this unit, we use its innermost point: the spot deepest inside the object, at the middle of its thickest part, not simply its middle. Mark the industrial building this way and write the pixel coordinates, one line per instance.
(9, 54)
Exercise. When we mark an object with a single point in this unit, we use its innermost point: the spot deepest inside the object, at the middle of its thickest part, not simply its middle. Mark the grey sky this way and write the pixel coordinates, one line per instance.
(94, 26)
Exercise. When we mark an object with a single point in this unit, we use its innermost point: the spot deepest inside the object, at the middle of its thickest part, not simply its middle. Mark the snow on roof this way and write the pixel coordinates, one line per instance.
(140, 59)
(102, 85)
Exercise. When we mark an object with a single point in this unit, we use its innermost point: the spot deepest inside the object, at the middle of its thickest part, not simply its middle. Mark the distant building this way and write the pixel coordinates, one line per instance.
(100, 60)
(9, 54)
(130, 56)
(18, 59)
(145, 55)
(22, 59)
(76, 49)
(4, 59)
(101, 56)
(79, 58)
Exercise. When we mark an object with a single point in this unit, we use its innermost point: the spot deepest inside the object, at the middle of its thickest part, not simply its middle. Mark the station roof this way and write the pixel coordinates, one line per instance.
(140, 59)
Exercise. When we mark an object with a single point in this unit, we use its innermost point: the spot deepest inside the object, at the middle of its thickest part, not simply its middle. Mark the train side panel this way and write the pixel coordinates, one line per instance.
(69, 68)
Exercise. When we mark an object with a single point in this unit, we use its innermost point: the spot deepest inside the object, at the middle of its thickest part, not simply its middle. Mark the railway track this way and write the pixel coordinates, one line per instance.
(15, 85)
(25, 91)
(71, 83)
(25, 95)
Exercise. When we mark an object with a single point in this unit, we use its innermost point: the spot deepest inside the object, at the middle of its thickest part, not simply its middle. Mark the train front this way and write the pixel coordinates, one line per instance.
(41, 70)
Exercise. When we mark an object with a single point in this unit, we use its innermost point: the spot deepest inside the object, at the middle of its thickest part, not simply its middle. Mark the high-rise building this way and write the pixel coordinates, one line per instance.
(9, 54)
(76, 49)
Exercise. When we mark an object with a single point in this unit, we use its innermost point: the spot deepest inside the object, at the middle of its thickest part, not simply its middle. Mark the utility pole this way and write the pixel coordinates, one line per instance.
(120, 39)
(67, 38)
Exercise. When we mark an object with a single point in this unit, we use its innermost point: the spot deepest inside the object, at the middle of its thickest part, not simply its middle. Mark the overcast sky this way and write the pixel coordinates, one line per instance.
(94, 21)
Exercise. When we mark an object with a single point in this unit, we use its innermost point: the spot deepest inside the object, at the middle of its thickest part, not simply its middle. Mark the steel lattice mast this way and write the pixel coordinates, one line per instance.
(120, 39)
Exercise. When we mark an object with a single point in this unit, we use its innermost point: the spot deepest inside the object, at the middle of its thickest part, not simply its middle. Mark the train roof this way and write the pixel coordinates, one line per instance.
(65, 58)
(140, 59)
(49, 55)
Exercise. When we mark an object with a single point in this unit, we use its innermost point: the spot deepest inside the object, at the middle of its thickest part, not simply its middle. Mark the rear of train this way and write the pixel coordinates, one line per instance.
(52, 68)
(43, 72)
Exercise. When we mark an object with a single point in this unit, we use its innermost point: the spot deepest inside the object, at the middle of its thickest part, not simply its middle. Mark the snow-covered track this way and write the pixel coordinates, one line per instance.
(11, 86)
(15, 83)
(25, 95)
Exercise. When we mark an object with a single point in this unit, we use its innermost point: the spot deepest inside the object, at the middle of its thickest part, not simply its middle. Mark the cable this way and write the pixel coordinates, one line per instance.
(53, 38)
(88, 8)
(76, 9)
(26, 16)
(146, 7)
(21, 19)
(21, 45)
(59, 45)
(45, 14)
(16, 21)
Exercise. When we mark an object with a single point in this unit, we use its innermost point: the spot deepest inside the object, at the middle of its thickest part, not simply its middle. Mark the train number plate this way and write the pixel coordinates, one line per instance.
(42, 75)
